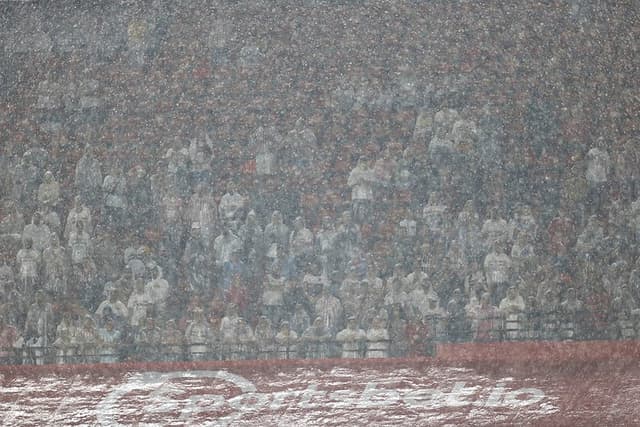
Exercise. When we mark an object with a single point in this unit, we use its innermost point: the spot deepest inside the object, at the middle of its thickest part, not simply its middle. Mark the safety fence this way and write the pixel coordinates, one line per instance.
(404, 339)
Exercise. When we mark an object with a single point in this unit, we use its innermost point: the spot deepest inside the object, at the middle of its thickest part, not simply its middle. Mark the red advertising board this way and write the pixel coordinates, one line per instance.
(493, 389)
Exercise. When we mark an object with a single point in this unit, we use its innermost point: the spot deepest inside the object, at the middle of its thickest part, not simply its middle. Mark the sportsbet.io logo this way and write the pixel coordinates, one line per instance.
(221, 397)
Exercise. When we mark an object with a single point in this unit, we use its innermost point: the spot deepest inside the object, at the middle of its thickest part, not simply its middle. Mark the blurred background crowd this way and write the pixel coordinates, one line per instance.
(315, 179)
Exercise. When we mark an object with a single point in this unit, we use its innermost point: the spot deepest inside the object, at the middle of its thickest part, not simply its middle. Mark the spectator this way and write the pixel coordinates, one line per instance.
(300, 320)
(252, 239)
(397, 331)
(87, 339)
(55, 268)
(157, 292)
(597, 173)
(511, 307)
(79, 245)
(243, 342)
(8, 340)
(39, 329)
(139, 197)
(494, 229)
(199, 336)
(171, 341)
(202, 210)
(224, 245)
(88, 177)
(28, 261)
(38, 232)
(329, 309)
(486, 320)
(48, 192)
(66, 342)
(362, 180)
(378, 339)
(148, 341)
(117, 309)
(109, 338)
(353, 340)
(300, 243)
(315, 340)
(26, 178)
(273, 295)
(79, 213)
(196, 262)
(265, 338)
(12, 221)
(231, 207)
(114, 190)
(7, 278)
(571, 309)
(286, 342)
(497, 270)
(276, 237)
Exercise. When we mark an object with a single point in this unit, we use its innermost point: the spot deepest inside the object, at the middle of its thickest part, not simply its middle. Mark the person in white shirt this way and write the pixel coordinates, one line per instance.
(109, 338)
(157, 291)
(436, 218)
(302, 145)
(202, 210)
(268, 143)
(39, 329)
(48, 192)
(523, 255)
(276, 237)
(198, 336)
(224, 245)
(396, 288)
(325, 244)
(441, 146)
(378, 339)
(494, 229)
(117, 307)
(55, 268)
(244, 342)
(351, 294)
(79, 213)
(79, 245)
(38, 232)
(329, 308)
(597, 174)
(512, 306)
(114, 189)
(523, 222)
(362, 180)
(300, 247)
(467, 229)
(88, 177)
(497, 270)
(589, 243)
(352, 339)
(231, 206)
(66, 341)
(273, 295)
(137, 304)
(28, 260)
(300, 240)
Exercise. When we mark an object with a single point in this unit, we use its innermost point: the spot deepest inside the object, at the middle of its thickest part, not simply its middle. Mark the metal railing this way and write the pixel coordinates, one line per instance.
(531, 325)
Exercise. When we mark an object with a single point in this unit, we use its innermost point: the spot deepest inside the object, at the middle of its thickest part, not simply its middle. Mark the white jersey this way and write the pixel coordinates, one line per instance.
(597, 165)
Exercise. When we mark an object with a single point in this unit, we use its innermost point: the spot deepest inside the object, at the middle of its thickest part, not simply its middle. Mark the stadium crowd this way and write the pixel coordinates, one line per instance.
(378, 216)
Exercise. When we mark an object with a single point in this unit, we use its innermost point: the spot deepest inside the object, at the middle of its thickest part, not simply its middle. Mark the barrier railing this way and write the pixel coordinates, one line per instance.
(548, 326)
